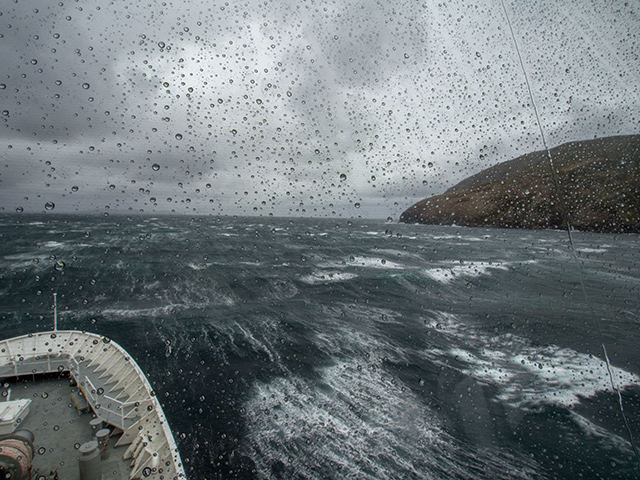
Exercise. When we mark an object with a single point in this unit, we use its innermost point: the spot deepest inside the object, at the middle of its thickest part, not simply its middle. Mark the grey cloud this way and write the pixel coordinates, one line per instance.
(260, 107)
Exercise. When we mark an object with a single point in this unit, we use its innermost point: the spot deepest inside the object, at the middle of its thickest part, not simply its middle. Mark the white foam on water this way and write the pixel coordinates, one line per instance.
(356, 421)
(445, 322)
(447, 274)
(198, 266)
(363, 261)
(562, 376)
(374, 262)
(52, 244)
(327, 276)
(528, 375)
(139, 312)
(535, 376)
(485, 369)
(592, 250)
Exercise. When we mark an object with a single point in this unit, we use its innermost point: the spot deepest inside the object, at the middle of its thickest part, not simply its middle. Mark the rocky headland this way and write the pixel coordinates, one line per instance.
(598, 190)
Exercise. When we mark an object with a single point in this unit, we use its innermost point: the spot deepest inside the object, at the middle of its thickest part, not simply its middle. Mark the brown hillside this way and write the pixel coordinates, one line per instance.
(599, 186)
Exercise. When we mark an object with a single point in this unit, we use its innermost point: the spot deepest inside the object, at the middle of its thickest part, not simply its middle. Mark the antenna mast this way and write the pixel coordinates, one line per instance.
(55, 312)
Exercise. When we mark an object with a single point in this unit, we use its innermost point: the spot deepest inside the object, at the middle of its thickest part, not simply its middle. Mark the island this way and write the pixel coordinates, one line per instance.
(596, 188)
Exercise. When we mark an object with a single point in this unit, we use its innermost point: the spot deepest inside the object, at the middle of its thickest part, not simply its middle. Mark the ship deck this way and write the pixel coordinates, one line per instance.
(60, 428)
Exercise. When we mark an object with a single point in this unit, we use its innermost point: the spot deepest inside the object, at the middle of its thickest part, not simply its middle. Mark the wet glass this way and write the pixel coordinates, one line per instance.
(283, 211)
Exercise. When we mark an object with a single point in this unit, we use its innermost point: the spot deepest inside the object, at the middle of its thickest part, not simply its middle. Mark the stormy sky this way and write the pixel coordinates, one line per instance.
(333, 108)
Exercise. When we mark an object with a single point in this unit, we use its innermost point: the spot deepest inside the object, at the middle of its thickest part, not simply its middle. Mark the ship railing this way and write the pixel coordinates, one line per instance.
(109, 409)
(144, 416)
(18, 365)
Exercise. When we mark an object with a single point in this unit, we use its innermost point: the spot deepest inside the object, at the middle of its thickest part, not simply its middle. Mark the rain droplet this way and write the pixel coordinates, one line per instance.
(41, 451)
(19, 209)
(343, 176)
(161, 44)
(86, 86)
(59, 266)
(74, 188)
(357, 205)
(155, 167)
(178, 136)
(49, 206)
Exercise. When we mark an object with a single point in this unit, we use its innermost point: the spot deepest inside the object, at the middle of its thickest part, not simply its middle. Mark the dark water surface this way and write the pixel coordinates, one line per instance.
(329, 348)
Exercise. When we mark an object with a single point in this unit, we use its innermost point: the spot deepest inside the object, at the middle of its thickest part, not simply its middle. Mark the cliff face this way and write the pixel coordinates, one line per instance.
(599, 189)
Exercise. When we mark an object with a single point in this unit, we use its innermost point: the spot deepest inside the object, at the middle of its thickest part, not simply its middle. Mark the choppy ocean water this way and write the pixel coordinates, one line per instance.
(334, 348)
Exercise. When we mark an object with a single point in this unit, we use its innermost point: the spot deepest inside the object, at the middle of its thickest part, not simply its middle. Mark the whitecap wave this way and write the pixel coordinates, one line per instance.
(447, 274)
(324, 276)
(527, 375)
(366, 262)
(357, 421)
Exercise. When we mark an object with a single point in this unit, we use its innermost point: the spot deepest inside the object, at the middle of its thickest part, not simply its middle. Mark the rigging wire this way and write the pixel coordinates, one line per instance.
(567, 224)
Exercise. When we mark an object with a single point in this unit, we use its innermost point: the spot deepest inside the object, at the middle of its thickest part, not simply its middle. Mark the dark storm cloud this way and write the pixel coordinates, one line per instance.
(295, 107)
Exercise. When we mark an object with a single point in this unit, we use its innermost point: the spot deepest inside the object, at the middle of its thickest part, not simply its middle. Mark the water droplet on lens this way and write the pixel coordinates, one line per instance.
(59, 266)
(41, 451)
(343, 176)
(357, 205)
(86, 86)
(49, 206)
(19, 209)
(178, 136)
(155, 167)
(74, 188)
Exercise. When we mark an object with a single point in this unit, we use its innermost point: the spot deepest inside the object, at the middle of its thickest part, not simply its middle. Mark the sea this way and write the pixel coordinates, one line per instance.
(333, 348)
